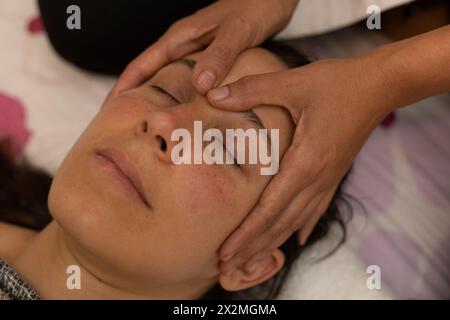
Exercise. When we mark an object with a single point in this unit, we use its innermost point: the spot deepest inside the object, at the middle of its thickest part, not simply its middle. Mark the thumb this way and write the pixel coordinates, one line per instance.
(251, 91)
(182, 38)
(143, 66)
(232, 38)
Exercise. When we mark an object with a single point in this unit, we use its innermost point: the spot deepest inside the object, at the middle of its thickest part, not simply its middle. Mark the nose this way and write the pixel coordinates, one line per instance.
(157, 128)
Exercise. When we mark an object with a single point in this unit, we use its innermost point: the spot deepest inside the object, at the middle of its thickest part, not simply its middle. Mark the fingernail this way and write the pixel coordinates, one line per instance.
(226, 258)
(219, 93)
(206, 80)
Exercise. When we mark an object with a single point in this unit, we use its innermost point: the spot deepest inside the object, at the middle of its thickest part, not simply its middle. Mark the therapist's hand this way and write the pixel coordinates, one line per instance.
(226, 27)
(335, 104)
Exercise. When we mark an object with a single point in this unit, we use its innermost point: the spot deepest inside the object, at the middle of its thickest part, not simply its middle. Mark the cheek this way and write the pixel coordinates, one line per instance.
(211, 193)
(124, 238)
(210, 202)
(82, 202)
(206, 186)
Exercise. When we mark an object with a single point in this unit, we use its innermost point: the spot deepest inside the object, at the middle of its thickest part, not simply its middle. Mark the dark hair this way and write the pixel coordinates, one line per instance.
(24, 190)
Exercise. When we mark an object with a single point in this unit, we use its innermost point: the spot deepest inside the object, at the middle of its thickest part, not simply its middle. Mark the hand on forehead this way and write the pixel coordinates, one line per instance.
(249, 62)
(253, 61)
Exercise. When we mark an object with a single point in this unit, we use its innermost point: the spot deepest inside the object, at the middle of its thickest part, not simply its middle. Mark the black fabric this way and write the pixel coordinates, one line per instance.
(113, 32)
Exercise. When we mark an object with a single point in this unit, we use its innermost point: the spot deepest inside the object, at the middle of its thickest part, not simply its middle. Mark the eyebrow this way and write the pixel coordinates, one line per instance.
(252, 117)
(248, 115)
(187, 62)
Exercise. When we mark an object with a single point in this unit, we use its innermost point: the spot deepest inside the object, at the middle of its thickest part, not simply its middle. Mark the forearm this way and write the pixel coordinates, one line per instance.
(413, 69)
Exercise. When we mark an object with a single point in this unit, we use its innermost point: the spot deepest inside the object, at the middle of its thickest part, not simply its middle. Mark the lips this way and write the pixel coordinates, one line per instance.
(125, 168)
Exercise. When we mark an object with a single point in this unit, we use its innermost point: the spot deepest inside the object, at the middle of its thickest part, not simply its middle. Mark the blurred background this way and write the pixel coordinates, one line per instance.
(401, 179)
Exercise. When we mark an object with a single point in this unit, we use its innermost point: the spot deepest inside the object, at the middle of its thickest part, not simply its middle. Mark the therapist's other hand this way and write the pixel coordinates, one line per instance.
(335, 104)
(227, 27)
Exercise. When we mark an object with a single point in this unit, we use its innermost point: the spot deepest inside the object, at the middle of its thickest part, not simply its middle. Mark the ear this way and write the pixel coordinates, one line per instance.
(260, 271)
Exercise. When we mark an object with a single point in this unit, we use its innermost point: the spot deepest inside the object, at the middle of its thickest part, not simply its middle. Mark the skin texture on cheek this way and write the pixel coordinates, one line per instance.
(210, 185)
(211, 209)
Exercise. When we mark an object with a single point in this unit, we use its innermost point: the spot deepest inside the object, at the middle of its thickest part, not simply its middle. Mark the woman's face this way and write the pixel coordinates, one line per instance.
(174, 238)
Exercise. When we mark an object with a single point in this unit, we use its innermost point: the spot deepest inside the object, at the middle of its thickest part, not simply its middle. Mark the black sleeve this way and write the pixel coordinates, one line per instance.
(113, 32)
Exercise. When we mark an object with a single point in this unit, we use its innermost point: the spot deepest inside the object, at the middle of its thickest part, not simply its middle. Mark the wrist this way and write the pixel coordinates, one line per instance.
(387, 73)
(413, 69)
(376, 85)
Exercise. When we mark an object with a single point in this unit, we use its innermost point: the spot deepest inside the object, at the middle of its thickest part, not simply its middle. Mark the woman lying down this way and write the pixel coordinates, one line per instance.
(158, 237)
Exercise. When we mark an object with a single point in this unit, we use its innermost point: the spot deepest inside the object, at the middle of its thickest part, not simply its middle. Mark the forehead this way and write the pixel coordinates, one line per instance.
(258, 61)
(251, 61)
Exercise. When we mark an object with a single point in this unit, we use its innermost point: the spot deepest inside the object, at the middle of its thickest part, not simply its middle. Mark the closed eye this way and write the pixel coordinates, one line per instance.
(235, 162)
(165, 93)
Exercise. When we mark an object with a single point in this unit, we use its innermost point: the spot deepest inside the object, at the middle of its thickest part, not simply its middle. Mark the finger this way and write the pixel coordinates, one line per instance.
(264, 245)
(151, 60)
(263, 253)
(280, 192)
(181, 39)
(231, 39)
(252, 91)
(306, 231)
(275, 198)
(310, 209)
(276, 236)
(287, 89)
(294, 176)
(305, 204)
(293, 217)
(257, 250)
(302, 207)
